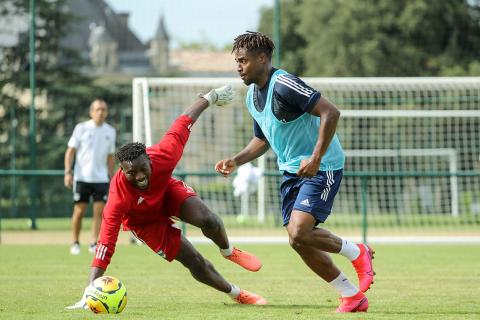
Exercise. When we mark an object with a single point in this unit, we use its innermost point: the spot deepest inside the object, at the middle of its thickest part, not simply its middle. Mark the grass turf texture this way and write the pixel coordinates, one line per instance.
(413, 282)
(379, 225)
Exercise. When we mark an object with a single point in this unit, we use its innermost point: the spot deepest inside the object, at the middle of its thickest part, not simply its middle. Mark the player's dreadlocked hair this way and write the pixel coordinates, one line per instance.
(254, 41)
(130, 151)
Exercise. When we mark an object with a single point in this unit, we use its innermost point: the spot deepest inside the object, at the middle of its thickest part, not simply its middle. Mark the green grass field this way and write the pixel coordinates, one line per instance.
(413, 282)
(431, 225)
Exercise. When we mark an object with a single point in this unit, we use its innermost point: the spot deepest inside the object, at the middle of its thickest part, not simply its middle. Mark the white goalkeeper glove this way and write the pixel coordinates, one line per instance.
(82, 304)
(220, 96)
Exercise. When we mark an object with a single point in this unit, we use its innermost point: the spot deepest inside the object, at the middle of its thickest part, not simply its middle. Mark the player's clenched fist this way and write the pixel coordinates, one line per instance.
(225, 167)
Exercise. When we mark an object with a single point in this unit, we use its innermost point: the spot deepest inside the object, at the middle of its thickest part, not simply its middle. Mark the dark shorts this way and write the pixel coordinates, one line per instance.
(162, 236)
(312, 195)
(82, 191)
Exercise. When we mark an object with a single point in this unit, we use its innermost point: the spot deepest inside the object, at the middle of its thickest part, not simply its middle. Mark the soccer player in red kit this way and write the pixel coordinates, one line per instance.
(144, 197)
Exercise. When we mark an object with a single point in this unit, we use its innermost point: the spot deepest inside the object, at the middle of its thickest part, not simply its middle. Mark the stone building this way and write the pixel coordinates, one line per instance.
(104, 38)
(108, 45)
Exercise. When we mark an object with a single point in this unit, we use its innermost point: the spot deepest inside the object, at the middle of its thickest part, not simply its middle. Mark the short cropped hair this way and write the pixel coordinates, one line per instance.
(254, 42)
(131, 151)
(97, 101)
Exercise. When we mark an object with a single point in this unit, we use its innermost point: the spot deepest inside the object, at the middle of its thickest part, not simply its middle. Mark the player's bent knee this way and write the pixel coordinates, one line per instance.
(298, 241)
(211, 221)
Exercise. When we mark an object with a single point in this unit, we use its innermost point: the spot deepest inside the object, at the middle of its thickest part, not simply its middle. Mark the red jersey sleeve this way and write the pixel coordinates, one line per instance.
(170, 149)
(111, 220)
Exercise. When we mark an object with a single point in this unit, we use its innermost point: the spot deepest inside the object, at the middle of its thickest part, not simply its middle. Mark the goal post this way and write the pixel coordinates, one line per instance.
(449, 154)
(412, 152)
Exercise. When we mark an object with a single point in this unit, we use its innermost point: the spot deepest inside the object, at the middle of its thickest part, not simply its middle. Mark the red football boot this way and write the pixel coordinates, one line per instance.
(364, 267)
(357, 303)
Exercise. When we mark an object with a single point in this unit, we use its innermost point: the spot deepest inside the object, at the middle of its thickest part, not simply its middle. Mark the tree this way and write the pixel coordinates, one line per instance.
(380, 37)
(292, 42)
(57, 69)
(63, 94)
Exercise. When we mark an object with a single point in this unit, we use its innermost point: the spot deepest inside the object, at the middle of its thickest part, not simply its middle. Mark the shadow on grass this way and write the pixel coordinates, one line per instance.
(439, 313)
(285, 306)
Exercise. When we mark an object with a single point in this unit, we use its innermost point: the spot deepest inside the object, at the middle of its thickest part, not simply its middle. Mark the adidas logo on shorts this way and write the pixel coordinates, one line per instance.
(305, 203)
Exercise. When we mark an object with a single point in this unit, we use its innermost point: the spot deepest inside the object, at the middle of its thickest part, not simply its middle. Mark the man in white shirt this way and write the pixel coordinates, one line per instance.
(92, 145)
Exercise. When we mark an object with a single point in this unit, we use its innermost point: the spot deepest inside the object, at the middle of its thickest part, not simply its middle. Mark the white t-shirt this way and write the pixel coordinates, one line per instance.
(93, 144)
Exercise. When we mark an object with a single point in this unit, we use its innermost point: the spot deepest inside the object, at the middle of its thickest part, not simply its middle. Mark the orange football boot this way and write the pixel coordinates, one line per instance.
(245, 259)
(246, 297)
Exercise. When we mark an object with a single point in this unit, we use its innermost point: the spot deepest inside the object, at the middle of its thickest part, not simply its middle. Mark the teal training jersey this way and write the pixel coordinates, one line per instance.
(294, 140)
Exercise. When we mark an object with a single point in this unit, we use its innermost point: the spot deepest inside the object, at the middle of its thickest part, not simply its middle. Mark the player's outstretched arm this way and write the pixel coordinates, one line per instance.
(255, 148)
(219, 97)
(81, 304)
(225, 167)
(95, 273)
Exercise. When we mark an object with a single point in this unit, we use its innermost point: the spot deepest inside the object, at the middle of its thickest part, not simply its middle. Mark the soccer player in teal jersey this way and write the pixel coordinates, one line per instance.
(299, 124)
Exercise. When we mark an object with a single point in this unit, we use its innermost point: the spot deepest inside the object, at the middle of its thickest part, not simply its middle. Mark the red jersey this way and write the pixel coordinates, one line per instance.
(134, 207)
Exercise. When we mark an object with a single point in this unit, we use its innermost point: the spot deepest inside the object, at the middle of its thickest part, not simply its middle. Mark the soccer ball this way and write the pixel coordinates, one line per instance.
(106, 295)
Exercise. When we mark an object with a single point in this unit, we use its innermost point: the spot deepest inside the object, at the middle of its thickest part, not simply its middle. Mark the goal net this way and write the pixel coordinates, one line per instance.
(412, 154)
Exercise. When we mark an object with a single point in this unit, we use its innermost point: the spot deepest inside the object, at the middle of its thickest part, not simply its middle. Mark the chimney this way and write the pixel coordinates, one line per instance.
(123, 17)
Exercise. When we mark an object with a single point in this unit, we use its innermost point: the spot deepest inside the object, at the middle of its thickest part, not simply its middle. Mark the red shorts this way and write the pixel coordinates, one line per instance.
(162, 236)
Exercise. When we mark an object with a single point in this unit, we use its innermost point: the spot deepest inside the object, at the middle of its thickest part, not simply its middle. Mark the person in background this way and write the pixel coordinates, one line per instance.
(92, 148)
